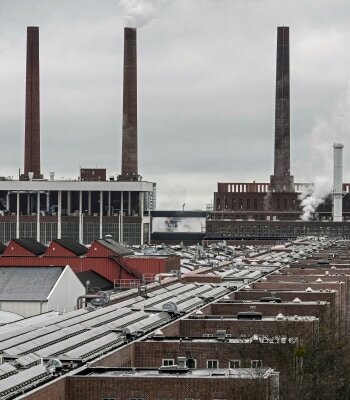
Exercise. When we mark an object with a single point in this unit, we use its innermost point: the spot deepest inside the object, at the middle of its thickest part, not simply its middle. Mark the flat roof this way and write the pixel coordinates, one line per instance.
(273, 303)
(263, 318)
(238, 340)
(46, 185)
(243, 373)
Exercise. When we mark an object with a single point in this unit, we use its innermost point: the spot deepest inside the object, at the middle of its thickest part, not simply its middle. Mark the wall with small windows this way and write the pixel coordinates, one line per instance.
(201, 354)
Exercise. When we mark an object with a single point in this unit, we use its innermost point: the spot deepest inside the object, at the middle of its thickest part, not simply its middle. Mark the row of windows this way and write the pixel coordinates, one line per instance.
(91, 231)
(276, 230)
(212, 364)
(255, 204)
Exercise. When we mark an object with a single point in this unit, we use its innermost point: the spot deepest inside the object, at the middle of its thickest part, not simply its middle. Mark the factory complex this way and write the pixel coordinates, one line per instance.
(123, 205)
(103, 297)
(244, 324)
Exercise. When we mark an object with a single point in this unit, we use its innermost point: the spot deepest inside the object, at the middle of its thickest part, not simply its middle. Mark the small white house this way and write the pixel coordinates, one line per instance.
(29, 291)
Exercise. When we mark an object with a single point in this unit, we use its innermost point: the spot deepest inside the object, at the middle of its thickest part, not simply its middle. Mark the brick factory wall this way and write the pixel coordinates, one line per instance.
(52, 391)
(123, 357)
(99, 387)
(296, 328)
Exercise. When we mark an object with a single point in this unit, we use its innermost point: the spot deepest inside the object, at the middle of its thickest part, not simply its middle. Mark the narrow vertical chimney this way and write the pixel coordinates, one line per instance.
(32, 112)
(129, 144)
(338, 182)
(282, 181)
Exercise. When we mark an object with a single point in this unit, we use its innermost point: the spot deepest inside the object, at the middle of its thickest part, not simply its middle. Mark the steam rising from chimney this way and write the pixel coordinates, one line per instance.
(137, 13)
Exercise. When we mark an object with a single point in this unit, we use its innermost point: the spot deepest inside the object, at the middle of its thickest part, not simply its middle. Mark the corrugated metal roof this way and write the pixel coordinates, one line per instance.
(30, 283)
(72, 245)
(32, 245)
(15, 382)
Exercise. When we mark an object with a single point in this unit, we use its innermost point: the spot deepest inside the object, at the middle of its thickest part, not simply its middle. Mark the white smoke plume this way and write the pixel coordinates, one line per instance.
(315, 195)
(138, 13)
(323, 135)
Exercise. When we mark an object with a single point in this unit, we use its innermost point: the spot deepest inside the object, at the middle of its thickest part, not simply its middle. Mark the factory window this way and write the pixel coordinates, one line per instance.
(70, 230)
(48, 231)
(7, 231)
(167, 361)
(109, 228)
(278, 204)
(234, 364)
(212, 364)
(225, 199)
(286, 204)
(248, 204)
(240, 205)
(233, 204)
(191, 363)
(132, 233)
(27, 230)
(255, 204)
(256, 364)
(293, 204)
(218, 204)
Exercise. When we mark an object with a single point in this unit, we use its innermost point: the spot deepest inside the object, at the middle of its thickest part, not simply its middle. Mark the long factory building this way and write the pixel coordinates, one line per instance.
(105, 352)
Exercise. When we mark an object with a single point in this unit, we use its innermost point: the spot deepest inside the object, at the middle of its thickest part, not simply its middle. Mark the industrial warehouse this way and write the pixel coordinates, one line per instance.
(105, 297)
(252, 321)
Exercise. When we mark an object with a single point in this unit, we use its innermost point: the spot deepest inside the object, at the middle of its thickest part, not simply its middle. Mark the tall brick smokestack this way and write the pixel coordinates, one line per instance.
(282, 181)
(129, 145)
(32, 113)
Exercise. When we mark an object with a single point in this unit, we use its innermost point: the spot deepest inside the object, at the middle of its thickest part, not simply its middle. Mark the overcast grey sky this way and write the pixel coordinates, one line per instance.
(206, 71)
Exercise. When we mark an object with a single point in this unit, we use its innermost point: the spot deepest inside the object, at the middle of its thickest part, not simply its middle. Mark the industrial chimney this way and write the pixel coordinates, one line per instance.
(32, 108)
(338, 182)
(129, 143)
(281, 180)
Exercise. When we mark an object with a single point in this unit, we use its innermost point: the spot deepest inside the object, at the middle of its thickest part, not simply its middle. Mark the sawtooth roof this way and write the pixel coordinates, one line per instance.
(72, 245)
(32, 245)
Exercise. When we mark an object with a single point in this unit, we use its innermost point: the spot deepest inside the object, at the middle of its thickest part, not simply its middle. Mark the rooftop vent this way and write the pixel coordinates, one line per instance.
(297, 300)
(319, 280)
(270, 300)
(308, 289)
(158, 334)
(280, 316)
(252, 315)
(221, 334)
